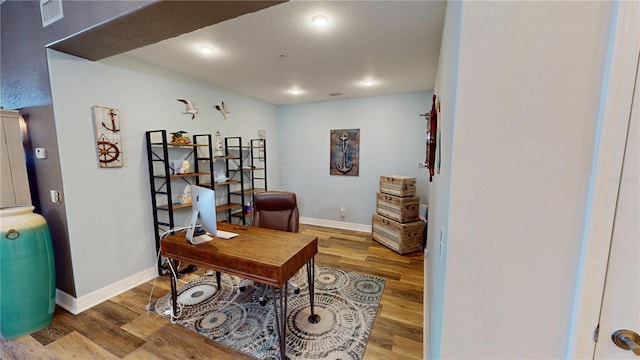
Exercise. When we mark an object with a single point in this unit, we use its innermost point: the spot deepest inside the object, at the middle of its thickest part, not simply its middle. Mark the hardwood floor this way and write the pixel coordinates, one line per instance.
(120, 328)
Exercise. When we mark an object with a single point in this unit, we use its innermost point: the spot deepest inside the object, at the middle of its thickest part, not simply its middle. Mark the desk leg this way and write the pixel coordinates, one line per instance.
(174, 289)
(311, 278)
(280, 313)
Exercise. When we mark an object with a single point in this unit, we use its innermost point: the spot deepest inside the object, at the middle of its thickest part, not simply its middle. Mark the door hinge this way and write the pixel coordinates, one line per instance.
(596, 332)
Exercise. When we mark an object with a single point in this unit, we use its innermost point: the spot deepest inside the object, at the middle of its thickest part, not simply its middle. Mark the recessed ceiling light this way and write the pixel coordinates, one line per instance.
(295, 91)
(320, 21)
(368, 83)
(206, 50)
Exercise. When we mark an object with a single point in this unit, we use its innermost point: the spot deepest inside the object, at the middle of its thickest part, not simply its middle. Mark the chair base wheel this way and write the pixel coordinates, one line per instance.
(296, 291)
(263, 302)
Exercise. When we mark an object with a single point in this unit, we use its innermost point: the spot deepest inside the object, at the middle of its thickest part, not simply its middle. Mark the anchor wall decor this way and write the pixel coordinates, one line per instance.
(107, 126)
(345, 152)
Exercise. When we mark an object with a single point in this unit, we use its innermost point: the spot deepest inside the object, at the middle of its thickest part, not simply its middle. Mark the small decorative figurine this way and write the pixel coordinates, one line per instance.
(181, 167)
(177, 138)
(185, 167)
(220, 178)
(218, 150)
(185, 197)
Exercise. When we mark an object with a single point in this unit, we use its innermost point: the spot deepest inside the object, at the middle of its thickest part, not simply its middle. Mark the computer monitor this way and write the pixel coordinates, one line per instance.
(203, 204)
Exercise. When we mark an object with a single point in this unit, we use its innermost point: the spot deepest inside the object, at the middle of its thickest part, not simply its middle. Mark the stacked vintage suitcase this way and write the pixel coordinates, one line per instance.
(396, 223)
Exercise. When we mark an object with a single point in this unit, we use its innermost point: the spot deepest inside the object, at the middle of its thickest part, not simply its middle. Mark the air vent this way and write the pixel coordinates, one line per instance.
(51, 11)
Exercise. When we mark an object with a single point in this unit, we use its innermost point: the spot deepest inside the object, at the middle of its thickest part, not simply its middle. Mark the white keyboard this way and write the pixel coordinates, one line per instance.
(225, 234)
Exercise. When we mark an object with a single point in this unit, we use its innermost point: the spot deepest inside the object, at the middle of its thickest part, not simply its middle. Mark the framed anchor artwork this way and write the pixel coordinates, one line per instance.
(345, 152)
(107, 125)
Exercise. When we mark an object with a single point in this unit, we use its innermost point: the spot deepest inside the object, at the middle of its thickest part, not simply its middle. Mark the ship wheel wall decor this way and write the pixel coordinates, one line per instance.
(107, 151)
(107, 125)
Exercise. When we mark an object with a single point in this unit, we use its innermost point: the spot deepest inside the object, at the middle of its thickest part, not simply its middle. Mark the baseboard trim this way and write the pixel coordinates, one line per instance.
(336, 224)
(78, 305)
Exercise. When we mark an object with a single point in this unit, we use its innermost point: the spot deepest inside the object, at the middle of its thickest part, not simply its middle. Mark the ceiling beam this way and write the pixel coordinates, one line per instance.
(158, 21)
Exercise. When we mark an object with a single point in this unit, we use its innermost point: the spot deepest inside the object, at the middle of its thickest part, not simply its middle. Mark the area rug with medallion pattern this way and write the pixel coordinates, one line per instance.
(347, 303)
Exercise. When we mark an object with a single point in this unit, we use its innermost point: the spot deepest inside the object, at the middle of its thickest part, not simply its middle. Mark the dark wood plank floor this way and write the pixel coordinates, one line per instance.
(120, 328)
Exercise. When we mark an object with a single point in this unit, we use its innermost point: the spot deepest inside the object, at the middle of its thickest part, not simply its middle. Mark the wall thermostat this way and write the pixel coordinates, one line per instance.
(41, 153)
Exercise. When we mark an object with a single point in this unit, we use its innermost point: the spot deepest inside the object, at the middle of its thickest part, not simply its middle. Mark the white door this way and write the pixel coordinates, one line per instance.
(621, 298)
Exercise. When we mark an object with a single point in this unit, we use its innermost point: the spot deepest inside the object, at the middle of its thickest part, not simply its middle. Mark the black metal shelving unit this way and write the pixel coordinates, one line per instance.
(246, 167)
(161, 176)
(258, 171)
(235, 160)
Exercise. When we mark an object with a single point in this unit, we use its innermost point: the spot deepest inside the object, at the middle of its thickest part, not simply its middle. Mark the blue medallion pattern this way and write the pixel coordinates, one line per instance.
(347, 303)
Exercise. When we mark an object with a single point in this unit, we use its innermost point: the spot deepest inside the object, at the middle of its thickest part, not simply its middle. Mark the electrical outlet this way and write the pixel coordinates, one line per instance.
(343, 212)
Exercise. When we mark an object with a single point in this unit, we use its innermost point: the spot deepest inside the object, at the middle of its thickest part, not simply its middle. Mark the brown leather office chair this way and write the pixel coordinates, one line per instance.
(276, 210)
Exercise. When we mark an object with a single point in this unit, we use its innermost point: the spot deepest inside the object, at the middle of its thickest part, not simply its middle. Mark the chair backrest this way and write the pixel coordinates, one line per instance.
(276, 210)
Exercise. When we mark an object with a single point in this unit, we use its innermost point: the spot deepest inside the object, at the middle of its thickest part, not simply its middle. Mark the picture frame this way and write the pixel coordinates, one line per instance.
(344, 152)
(107, 126)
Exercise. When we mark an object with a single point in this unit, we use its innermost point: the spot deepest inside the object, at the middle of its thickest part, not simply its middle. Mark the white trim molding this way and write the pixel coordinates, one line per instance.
(617, 94)
(336, 224)
(78, 305)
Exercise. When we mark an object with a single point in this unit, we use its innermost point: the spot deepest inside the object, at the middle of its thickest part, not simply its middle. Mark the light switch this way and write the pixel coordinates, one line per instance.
(41, 153)
(56, 197)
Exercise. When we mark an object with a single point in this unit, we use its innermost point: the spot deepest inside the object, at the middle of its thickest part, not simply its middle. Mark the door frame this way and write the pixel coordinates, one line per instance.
(611, 132)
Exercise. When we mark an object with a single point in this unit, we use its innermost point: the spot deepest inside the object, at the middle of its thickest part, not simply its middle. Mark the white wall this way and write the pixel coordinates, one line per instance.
(109, 210)
(525, 96)
(440, 189)
(392, 141)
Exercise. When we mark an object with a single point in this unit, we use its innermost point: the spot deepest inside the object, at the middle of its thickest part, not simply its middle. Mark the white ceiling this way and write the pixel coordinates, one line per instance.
(266, 53)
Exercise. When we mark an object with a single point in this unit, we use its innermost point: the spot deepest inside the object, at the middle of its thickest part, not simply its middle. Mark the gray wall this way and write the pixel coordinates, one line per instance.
(520, 109)
(25, 79)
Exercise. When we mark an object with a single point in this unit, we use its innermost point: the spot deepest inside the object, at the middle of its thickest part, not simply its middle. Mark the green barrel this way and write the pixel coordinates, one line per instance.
(27, 272)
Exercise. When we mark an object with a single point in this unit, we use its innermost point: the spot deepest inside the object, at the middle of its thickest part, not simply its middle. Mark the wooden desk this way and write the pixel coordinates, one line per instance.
(270, 257)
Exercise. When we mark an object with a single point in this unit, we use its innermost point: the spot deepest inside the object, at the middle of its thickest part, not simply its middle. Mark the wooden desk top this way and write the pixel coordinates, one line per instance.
(267, 256)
